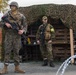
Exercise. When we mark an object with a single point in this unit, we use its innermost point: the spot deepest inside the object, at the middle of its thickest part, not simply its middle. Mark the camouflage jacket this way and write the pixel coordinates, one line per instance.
(49, 32)
(18, 18)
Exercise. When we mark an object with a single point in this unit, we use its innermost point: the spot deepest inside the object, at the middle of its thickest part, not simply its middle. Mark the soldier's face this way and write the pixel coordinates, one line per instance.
(45, 20)
(13, 8)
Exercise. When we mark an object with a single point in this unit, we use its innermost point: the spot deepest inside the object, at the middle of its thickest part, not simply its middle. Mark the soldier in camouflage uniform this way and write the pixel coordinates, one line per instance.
(12, 37)
(44, 37)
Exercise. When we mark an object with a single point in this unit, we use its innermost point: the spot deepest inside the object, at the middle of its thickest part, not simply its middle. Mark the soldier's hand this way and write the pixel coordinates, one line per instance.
(38, 42)
(50, 41)
(8, 25)
(20, 32)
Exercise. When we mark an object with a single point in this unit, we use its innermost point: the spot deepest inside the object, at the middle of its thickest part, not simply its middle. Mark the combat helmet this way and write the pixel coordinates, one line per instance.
(14, 3)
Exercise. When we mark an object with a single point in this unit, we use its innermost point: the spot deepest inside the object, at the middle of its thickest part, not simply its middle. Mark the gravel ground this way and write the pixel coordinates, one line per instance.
(35, 68)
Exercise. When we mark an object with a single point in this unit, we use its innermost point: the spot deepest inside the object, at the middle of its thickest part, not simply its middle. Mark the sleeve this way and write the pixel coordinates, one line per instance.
(24, 24)
(2, 20)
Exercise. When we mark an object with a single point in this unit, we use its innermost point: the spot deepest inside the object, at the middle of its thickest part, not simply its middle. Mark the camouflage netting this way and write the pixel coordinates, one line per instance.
(66, 13)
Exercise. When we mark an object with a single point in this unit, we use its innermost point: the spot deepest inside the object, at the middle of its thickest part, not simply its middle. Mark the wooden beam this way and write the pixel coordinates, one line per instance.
(71, 43)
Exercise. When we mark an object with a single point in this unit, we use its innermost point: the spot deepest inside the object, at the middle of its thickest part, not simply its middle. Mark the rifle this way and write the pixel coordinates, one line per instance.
(42, 36)
(14, 25)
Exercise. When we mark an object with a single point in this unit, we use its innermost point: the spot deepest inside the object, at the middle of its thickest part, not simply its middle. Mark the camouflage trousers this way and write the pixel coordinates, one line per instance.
(12, 42)
(46, 51)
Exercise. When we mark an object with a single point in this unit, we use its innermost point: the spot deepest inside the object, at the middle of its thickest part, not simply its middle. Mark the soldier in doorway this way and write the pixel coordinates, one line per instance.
(44, 37)
(12, 39)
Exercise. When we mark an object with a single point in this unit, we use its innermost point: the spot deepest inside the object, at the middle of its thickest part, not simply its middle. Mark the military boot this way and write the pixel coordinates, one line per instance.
(4, 70)
(45, 62)
(51, 64)
(17, 69)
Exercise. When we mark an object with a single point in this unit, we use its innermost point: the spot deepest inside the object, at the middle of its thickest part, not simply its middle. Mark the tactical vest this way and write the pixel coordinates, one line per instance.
(47, 32)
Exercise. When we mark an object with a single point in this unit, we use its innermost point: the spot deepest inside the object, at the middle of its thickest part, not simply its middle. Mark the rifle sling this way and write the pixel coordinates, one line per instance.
(13, 19)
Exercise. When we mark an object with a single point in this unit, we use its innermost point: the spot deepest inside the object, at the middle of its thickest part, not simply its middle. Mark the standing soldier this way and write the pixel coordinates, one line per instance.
(13, 37)
(44, 37)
